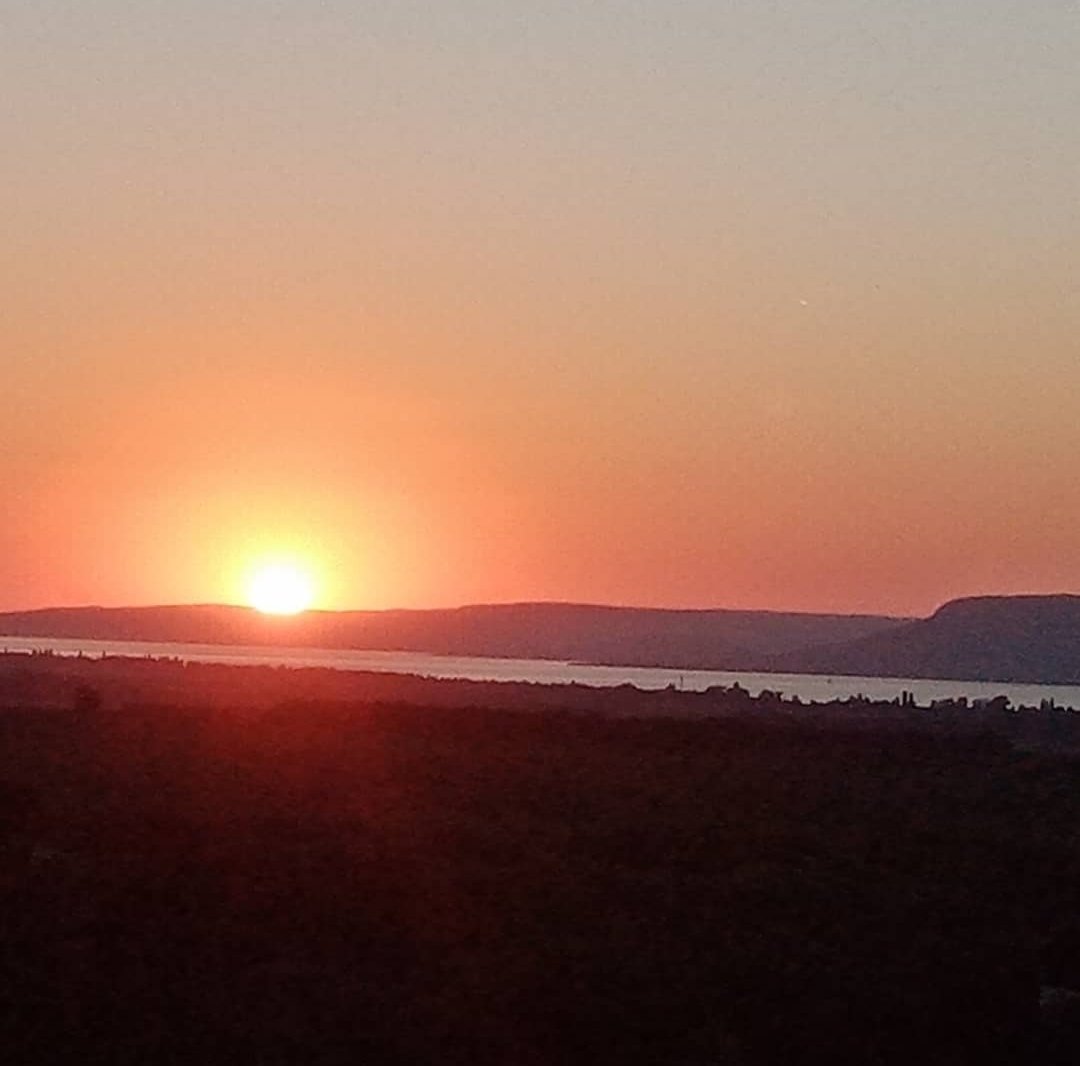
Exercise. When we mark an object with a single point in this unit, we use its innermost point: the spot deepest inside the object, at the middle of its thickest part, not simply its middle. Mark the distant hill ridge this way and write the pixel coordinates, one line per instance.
(623, 636)
(1033, 639)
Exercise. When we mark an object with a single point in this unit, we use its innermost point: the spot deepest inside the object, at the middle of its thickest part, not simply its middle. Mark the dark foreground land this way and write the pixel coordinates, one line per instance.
(224, 865)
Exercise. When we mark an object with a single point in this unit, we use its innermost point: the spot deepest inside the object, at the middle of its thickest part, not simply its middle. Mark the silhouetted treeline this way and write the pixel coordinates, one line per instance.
(54, 681)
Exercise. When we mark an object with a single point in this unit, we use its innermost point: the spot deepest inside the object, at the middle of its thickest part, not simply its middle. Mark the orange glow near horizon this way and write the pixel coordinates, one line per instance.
(754, 306)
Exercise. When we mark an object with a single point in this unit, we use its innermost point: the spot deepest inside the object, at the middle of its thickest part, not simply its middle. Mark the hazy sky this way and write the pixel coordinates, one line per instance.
(743, 303)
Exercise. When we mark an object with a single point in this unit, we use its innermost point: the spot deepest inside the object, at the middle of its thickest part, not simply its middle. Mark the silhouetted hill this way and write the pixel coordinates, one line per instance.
(986, 638)
(623, 636)
(990, 638)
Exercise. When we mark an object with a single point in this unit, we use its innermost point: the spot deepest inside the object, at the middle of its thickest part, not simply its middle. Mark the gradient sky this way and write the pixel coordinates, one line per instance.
(747, 303)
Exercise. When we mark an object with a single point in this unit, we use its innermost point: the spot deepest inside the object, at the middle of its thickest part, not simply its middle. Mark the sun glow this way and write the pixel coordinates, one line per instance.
(281, 588)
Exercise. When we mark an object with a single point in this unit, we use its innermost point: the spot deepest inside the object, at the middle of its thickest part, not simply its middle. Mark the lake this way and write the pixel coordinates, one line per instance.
(808, 687)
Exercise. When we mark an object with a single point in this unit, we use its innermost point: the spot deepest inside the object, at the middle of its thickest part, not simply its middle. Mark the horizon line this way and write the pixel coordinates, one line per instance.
(579, 604)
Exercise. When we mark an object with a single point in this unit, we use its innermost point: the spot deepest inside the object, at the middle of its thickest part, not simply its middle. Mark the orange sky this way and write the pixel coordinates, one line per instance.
(685, 304)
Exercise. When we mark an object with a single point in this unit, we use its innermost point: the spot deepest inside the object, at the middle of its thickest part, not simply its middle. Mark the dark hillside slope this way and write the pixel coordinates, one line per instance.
(993, 638)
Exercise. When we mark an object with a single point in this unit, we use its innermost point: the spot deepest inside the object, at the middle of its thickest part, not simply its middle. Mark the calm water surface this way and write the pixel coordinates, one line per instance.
(543, 671)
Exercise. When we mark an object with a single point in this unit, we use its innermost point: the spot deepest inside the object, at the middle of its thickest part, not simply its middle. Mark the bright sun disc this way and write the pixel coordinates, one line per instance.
(280, 589)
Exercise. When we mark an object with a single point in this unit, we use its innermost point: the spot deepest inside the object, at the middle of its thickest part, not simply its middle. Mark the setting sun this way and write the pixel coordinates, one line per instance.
(281, 588)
